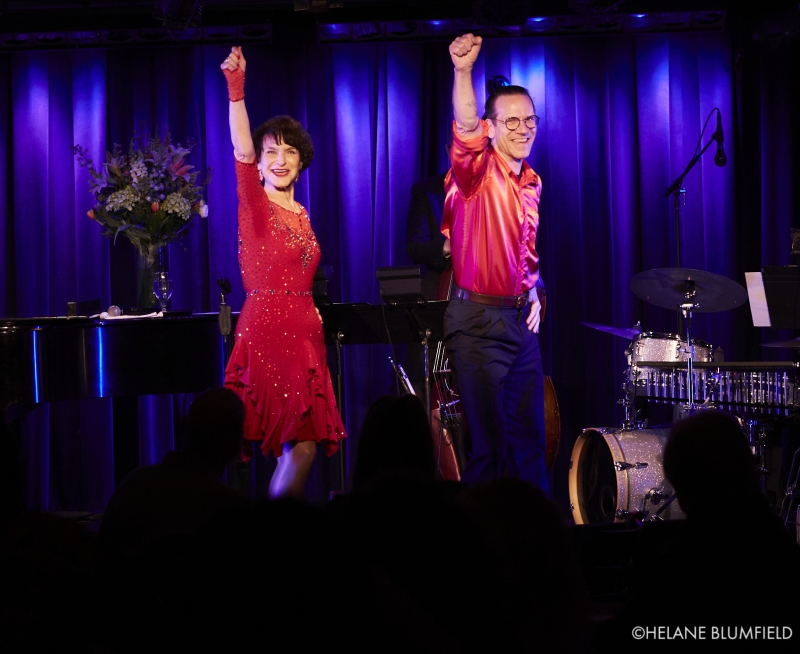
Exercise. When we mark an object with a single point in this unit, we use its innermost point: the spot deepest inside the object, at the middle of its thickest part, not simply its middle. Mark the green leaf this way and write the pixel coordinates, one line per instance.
(120, 229)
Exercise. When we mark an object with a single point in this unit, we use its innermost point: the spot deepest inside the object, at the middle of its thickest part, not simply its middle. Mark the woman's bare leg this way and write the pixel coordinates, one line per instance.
(289, 479)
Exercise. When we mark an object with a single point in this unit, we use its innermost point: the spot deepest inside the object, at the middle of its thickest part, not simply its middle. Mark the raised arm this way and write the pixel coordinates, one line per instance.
(464, 52)
(233, 67)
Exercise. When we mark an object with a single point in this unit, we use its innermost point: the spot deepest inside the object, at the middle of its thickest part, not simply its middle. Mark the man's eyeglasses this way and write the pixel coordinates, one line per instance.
(531, 122)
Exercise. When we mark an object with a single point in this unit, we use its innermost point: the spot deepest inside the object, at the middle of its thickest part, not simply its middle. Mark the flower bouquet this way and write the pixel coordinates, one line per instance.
(149, 195)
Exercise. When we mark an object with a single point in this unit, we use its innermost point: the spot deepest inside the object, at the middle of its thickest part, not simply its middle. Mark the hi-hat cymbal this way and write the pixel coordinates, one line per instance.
(794, 344)
(667, 287)
(629, 334)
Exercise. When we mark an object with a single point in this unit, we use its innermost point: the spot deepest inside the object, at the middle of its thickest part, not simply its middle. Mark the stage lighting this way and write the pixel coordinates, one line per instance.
(437, 27)
(705, 20)
(502, 13)
(178, 14)
(328, 32)
(595, 6)
(675, 20)
(641, 22)
(368, 31)
(540, 24)
(402, 29)
(317, 6)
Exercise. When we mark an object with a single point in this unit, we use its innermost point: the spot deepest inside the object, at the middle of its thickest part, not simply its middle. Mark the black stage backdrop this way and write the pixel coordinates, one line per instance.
(621, 116)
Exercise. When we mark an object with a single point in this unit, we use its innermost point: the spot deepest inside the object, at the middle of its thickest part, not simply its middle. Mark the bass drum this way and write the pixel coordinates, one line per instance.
(616, 474)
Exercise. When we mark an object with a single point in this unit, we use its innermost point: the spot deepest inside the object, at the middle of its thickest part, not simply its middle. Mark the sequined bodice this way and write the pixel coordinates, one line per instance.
(278, 252)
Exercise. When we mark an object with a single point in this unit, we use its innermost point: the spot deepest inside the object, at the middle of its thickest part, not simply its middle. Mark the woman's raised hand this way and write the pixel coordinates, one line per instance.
(233, 68)
(234, 61)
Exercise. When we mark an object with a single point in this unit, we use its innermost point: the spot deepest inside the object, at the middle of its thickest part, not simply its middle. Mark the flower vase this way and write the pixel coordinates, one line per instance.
(149, 261)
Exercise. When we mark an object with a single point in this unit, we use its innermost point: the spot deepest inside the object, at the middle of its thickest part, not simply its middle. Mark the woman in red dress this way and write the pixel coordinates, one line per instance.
(278, 361)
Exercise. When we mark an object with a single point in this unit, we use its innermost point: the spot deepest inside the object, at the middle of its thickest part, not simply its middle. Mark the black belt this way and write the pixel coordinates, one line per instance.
(515, 301)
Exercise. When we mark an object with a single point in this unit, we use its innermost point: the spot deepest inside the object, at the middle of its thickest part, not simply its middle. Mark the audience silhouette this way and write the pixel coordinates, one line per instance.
(395, 441)
(403, 563)
(151, 531)
(731, 564)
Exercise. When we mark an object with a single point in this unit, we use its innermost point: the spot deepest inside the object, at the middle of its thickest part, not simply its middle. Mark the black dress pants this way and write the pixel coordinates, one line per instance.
(498, 370)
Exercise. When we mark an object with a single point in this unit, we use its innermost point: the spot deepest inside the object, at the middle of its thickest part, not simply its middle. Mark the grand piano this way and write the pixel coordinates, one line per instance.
(52, 359)
(45, 360)
(55, 359)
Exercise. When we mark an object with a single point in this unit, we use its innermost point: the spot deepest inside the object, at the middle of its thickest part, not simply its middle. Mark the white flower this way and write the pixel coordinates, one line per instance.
(176, 203)
(126, 198)
(203, 210)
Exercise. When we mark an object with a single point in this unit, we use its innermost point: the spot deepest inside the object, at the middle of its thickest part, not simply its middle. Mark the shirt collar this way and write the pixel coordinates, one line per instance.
(526, 175)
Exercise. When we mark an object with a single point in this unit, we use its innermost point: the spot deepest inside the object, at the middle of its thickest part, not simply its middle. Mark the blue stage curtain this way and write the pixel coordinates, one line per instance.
(621, 117)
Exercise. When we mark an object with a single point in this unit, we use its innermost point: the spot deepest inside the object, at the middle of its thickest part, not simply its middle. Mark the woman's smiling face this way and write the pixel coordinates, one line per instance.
(280, 164)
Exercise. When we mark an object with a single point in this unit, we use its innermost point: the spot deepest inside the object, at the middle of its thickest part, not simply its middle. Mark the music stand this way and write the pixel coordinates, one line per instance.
(373, 324)
(781, 289)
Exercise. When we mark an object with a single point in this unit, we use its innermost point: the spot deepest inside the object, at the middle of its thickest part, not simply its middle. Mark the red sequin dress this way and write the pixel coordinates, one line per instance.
(278, 363)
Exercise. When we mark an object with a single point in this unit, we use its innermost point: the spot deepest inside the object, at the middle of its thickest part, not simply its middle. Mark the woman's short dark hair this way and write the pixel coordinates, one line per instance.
(489, 110)
(285, 129)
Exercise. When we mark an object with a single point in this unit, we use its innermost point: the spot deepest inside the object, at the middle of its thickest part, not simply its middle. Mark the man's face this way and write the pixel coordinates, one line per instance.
(512, 145)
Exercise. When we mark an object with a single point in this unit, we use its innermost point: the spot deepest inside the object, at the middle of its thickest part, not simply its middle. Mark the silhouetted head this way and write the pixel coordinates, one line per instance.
(394, 441)
(708, 460)
(214, 427)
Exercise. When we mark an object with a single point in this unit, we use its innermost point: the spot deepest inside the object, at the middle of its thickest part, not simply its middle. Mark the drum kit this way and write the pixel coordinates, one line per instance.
(616, 475)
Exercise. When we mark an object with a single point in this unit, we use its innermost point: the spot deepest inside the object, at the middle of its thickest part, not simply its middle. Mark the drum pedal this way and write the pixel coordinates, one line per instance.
(656, 495)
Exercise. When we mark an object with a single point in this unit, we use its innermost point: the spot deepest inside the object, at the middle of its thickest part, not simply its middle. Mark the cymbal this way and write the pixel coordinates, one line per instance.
(794, 343)
(666, 287)
(629, 334)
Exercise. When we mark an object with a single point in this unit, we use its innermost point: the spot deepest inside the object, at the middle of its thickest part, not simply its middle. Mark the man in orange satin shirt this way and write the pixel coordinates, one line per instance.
(491, 216)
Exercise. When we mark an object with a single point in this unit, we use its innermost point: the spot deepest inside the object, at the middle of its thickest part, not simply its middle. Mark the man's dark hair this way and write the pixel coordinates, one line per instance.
(285, 129)
(490, 111)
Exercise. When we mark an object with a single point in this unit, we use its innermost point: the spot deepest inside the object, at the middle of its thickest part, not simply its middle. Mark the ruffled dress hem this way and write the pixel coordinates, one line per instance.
(301, 407)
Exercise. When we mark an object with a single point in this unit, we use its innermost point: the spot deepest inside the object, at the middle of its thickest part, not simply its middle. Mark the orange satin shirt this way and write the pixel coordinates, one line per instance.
(491, 218)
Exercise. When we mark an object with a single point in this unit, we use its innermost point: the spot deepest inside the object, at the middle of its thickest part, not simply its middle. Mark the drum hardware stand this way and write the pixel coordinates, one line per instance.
(628, 403)
(339, 337)
(425, 335)
(624, 465)
(792, 495)
(656, 517)
(686, 311)
(224, 319)
(757, 435)
(654, 496)
(426, 369)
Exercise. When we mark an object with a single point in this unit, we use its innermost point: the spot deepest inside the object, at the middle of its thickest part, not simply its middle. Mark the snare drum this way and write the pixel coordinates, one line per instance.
(651, 346)
(614, 474)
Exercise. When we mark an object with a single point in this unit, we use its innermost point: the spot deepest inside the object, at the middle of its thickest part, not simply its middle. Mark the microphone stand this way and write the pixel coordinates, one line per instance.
(237, 470)
(224, 320)
(676, 190)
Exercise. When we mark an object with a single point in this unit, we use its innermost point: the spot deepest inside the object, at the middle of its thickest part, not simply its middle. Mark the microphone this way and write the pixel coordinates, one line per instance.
(719, 158)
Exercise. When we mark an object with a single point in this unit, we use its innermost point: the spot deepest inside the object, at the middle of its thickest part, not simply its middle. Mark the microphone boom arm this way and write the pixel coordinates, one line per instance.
(676, 185)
